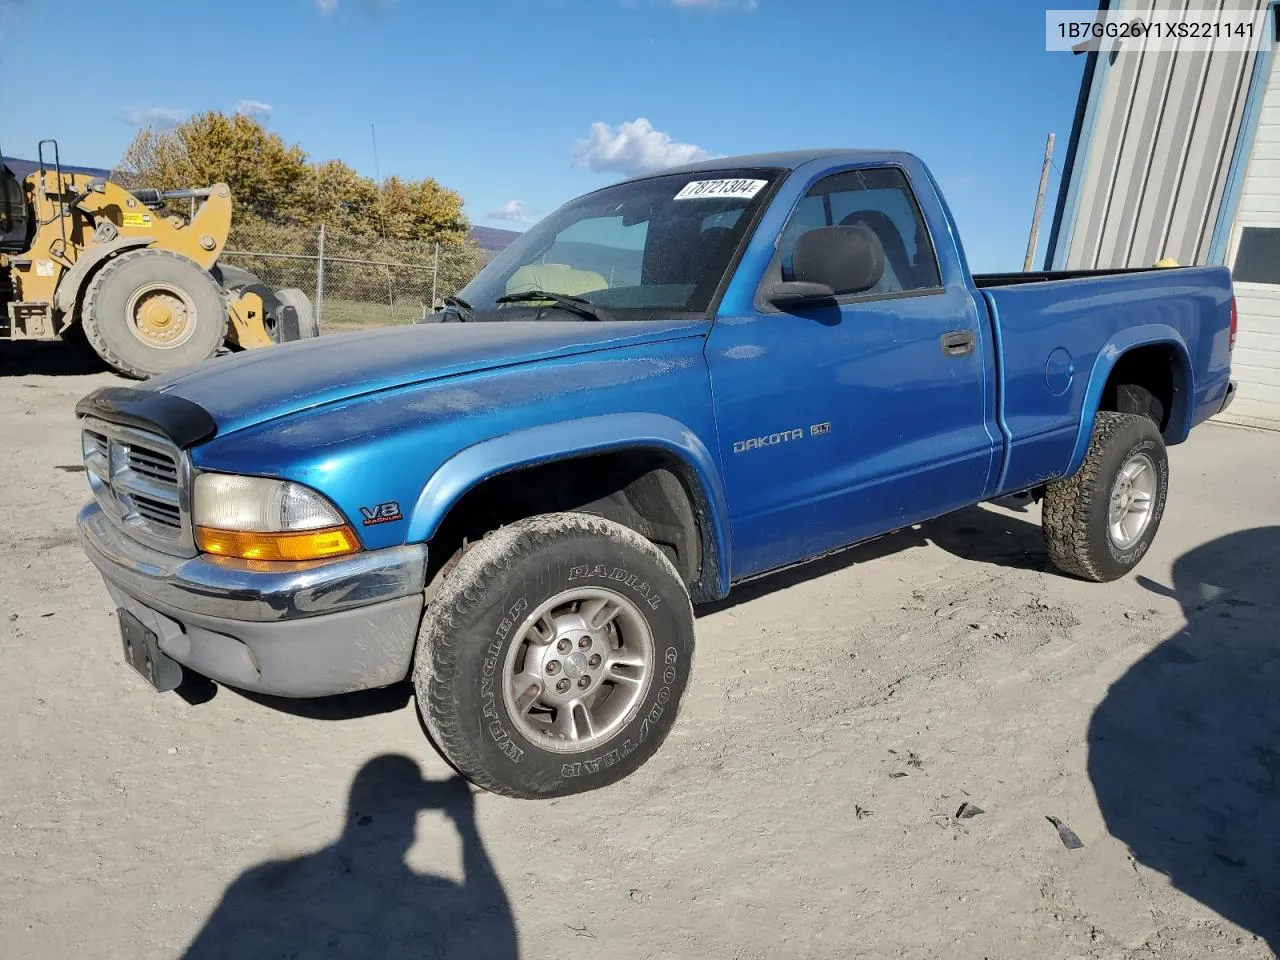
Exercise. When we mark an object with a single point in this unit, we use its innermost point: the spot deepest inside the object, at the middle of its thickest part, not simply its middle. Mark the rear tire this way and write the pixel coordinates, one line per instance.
(308, 326)
(149, 312)
(554, 657)
(1100, 522)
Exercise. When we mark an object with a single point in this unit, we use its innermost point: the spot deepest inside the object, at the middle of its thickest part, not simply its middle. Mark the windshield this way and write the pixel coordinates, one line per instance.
(660, 244)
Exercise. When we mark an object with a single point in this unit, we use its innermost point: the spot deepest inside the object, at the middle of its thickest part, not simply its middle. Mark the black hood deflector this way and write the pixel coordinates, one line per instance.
(180, 420)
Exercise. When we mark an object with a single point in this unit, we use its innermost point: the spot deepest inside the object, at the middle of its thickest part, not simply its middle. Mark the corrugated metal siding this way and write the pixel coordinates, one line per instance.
(1151, 177)
(1256, 363)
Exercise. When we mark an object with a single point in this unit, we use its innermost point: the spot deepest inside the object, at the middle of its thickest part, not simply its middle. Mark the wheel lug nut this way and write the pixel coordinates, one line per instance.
(562, 686)
(564, 646)
(584, 643)
(594, 661)
(584, 682)
(553, 667)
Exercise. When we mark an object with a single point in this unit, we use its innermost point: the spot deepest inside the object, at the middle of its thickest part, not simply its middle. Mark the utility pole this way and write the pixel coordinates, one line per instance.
(1035, 219)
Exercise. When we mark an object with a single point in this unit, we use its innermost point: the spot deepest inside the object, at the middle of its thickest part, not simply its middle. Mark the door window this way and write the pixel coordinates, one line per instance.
(881, 200)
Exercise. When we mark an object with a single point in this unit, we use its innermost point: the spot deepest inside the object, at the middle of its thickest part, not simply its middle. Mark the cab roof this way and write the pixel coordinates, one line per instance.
(786, 160)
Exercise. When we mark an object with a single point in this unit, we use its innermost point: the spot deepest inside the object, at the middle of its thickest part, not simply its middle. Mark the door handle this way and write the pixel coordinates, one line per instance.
(958, 343)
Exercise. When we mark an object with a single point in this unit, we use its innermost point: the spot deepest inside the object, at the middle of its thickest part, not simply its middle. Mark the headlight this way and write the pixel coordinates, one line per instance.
(258, 518)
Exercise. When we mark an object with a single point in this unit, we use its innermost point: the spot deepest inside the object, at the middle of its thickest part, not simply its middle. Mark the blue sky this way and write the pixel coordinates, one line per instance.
(521, 104)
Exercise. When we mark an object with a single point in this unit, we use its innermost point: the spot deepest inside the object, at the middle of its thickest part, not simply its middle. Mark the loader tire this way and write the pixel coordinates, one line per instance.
(1099, 522)
(149, 312)
(308, 326)
(554, 657)
(230, 277)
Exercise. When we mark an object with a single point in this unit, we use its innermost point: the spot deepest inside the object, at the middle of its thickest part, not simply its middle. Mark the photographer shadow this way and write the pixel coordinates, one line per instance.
(1184, 752)
(357, 898)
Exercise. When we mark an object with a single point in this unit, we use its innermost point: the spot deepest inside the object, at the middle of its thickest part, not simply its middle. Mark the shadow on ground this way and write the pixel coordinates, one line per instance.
(1184, 752)
(343, 706)
(52, 359)
(357, 898)
(979, 534)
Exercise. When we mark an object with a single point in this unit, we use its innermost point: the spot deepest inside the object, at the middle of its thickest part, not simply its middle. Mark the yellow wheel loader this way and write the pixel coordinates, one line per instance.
(84, 259)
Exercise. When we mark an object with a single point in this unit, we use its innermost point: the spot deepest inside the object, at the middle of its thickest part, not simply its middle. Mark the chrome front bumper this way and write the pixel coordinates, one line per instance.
(300, 630)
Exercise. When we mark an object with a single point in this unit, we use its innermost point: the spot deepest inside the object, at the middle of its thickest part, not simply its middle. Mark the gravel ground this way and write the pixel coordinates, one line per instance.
(864, 766)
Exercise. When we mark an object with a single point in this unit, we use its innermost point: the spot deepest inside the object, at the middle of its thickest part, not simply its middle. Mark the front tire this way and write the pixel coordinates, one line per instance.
(554, 658)
(1100, 522)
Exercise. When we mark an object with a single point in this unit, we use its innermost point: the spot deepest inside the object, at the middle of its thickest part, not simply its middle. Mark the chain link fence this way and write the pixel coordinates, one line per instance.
(354, 279)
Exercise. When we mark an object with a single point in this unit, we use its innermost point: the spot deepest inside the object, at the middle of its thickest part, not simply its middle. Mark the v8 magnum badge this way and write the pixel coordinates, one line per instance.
(388, 512)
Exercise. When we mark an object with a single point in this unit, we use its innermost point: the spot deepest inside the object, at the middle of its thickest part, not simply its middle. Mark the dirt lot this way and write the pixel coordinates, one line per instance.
(806, 804)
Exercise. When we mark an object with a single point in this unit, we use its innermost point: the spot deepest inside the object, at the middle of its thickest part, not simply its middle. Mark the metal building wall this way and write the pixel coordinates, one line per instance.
(1149, 159)
(1256, 362)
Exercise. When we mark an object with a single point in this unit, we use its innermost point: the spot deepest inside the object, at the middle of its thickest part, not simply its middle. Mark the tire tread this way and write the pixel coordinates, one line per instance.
(1068, 502)
(462, 592)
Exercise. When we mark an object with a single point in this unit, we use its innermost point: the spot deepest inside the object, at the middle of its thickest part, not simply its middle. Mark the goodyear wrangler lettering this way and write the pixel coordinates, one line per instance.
(629, 745)
(488, 691)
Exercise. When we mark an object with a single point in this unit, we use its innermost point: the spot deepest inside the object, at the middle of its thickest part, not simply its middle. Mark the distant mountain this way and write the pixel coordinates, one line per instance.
(24, 168)
(489, 239)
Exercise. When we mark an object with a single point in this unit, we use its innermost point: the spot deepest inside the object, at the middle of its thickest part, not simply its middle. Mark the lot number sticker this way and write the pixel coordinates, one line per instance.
(706, 189)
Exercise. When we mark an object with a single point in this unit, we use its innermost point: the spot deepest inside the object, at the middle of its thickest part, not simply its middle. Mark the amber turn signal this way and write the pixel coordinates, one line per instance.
(300, 545)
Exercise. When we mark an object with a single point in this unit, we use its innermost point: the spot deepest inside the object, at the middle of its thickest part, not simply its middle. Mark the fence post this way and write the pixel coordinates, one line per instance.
(320, 276)
(435, 276)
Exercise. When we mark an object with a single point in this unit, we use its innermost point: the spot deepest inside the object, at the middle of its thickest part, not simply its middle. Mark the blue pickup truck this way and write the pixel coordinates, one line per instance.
(667, 387)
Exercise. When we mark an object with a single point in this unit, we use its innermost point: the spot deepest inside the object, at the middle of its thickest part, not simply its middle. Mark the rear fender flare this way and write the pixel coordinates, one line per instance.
(583, 437)
(1146, 335)
(73, 281)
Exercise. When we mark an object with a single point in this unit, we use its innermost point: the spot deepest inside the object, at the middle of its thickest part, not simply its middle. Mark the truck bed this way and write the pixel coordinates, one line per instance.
(1051, 334)
(987, 280)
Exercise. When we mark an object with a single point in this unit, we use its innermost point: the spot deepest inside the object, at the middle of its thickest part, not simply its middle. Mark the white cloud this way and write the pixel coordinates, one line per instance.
(633, 147)
(513, 210)
(254, 108)
(368, 6)
(161, 117)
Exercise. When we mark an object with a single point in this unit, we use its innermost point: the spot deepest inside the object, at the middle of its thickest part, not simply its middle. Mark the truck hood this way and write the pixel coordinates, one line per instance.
(249, 388)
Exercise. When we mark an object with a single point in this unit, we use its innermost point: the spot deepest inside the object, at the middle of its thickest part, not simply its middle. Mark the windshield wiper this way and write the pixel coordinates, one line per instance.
(579, 305)
(460, 307)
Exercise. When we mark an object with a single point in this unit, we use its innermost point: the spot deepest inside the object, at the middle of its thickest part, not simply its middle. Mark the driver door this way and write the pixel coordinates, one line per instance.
(848, 419)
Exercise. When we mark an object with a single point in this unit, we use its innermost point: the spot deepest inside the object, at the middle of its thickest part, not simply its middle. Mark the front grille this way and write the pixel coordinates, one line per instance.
(159, 512)
(137, 479)
(99, 444)
(160, 467)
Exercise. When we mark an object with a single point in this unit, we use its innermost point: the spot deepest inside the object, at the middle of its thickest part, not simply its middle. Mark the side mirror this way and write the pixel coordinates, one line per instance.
(789, 293)
(845, 259)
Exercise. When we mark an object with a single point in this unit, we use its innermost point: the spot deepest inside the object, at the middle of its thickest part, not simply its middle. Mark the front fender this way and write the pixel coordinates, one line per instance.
(73, 281)
(1130, 338)
(582, 437)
